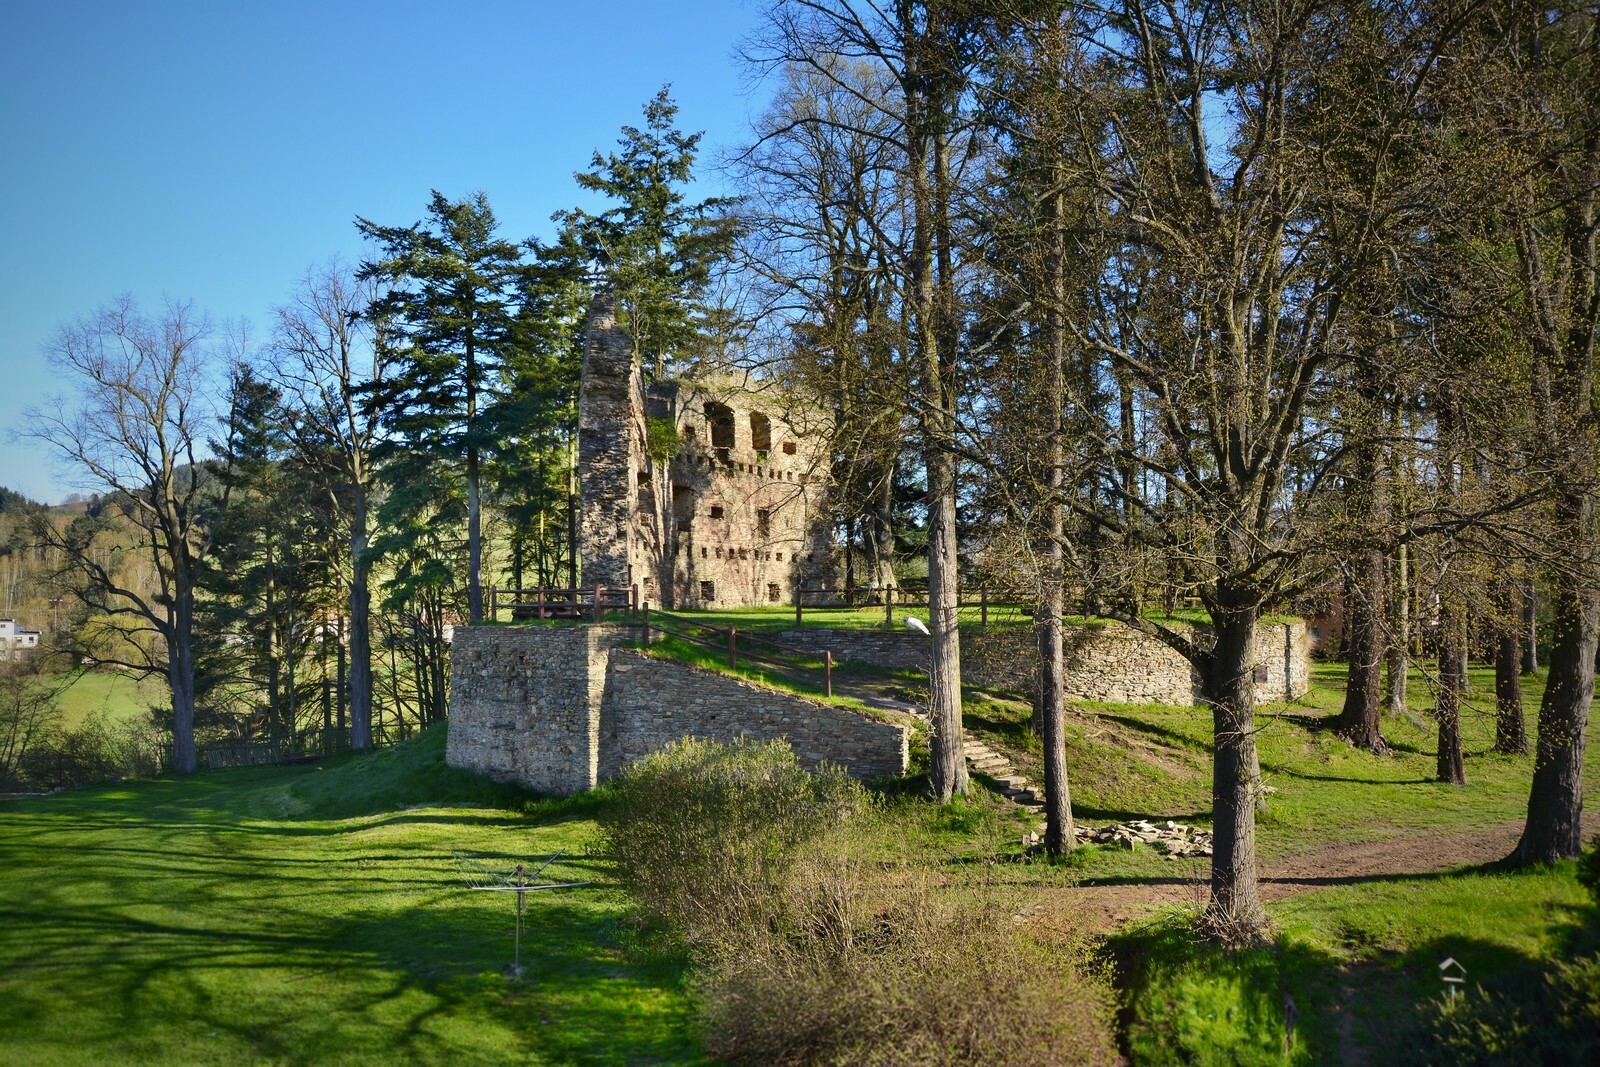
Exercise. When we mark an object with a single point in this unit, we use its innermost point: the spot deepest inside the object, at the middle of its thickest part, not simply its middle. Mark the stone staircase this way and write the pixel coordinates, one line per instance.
(1016, 787)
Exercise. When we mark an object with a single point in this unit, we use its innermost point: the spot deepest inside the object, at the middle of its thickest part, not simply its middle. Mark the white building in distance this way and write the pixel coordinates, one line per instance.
(14, 641)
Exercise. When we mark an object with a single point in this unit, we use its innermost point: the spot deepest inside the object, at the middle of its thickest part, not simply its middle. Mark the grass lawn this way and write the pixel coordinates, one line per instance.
(318, 914)
(1360, 961)
(1360, 964)
(119, 696)
(1155, 761)
(312, 914)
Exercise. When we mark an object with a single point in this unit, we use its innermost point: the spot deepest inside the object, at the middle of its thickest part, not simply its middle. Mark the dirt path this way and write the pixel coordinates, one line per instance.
(1107, 907)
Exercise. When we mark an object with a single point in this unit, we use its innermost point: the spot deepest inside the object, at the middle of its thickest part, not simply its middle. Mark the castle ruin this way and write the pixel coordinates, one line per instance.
(703, 493)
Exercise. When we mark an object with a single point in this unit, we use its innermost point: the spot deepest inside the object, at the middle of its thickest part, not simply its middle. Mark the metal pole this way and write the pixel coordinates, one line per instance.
(827, 671)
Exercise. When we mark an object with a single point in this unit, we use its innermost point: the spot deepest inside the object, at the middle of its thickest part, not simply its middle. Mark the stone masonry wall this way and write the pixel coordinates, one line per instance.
(650, 703)
(525, 703)
(560, 709)
(1105, 662)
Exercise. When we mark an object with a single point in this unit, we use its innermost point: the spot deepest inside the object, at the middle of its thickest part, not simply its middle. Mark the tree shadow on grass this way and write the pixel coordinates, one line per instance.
(420, 980)
(1188, 1000)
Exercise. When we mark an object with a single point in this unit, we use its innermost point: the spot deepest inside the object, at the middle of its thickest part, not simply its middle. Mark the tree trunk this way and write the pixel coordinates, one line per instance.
(360, 632)
(1554, 829)
(1059, 833)
(1400, 639)
(1530, 627)
(180, 677)
(1510, 735)
(1235, 914)
(1451, 765)
(1364, 623)
(944, 672)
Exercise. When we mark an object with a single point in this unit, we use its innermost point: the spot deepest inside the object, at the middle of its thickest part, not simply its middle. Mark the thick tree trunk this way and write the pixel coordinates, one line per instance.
(1554, 828)
(1400, 639)
(1235, 914)
(944, 672)
(1510, 735)
(1451, 766)
(1364, 623)
(1059, 833)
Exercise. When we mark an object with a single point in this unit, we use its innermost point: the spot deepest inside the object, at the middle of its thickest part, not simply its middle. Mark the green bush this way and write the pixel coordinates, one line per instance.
(1549, 1022)
(1589, 869)
(702, 833)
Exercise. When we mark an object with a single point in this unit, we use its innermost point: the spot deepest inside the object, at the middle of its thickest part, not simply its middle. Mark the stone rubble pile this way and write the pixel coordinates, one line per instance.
(1173, 837)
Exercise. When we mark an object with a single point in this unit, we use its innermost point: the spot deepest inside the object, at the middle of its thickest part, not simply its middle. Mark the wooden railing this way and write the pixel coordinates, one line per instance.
(727, 639)
(543, 603)
(889, 596)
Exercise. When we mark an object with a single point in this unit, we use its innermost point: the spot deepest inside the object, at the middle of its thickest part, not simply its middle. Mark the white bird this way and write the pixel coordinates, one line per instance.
(914, 623)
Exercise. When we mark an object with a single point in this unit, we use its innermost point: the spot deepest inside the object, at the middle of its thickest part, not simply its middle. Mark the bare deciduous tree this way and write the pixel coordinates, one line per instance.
(136, 437)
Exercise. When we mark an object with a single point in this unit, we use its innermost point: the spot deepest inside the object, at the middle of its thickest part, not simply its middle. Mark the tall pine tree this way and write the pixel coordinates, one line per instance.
(449, 312)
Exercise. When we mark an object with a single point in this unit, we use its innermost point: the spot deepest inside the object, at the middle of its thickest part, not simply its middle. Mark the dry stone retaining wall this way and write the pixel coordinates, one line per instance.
(560, 709)
(1105, 661)
(651, 703)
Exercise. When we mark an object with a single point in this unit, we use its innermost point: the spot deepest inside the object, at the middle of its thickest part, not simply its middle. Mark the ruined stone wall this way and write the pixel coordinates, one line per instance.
(749, 493)
(560, 709)
(735, 516)
(1105, 661)
(525, 703)
(1283, 660)
(615, 531)
(650, 703)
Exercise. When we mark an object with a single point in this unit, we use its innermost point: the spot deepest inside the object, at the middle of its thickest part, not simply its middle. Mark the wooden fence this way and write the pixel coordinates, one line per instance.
(889, 597)
(727, 639)
(586, 604)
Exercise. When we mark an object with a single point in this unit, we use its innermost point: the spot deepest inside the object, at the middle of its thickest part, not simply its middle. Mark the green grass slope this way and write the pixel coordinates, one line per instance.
(315, 915)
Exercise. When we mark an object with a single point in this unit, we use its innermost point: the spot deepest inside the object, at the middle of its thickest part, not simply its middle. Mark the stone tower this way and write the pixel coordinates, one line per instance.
(611, 429)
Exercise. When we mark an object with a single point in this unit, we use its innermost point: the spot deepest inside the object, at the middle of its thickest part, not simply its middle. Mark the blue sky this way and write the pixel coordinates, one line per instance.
(213, 151)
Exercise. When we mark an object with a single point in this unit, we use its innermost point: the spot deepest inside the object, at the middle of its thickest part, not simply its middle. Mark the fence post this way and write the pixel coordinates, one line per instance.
(541, 602)
(827, 672)
(888, 604)
(799, 597)
(733, 647)
(599, 591)
(633, 602)
(983, 596)
(647, 622)
(494, 604)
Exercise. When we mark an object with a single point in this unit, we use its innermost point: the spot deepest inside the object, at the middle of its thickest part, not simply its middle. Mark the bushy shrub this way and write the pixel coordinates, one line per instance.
(808, 951)
(901, 977)
(702, 833)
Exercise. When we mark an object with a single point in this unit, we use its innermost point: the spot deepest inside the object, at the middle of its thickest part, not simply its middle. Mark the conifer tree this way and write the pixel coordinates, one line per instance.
(657, 251)
(449, 314)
